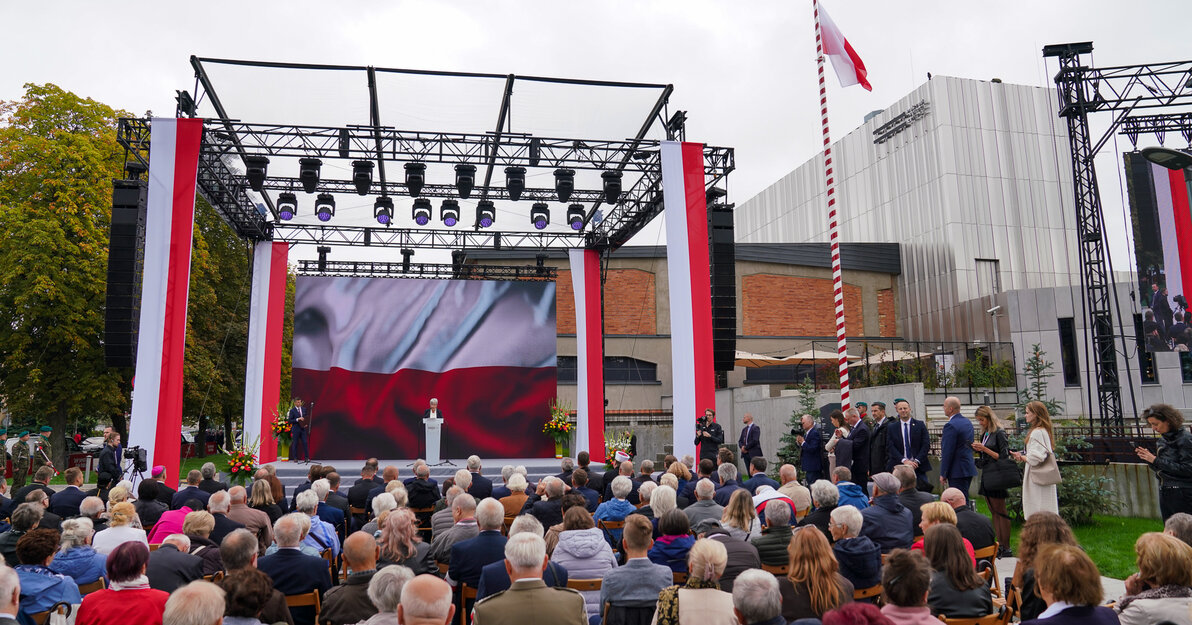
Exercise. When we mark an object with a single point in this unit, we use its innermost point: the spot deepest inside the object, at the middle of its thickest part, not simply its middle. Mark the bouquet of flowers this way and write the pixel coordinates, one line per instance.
(614, 442)
(242, 463)
(282, 430)
(559, 426)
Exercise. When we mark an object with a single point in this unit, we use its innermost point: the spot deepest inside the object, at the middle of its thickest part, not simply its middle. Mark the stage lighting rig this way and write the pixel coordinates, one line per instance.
(449, 213)
(485, 213)
(255, 168)
(465, 179)
(325, 206)
(406, 254)
(422, 211)
(383, 210)
(415, 178)
(308, 173)
(287, 206)
(515, 181)
(564, 183)
(540, 215)
(612, 186)
(362, 176)
(575, 216)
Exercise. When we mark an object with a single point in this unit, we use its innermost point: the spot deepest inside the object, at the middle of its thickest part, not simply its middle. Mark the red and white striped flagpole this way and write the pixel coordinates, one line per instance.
(833, 221)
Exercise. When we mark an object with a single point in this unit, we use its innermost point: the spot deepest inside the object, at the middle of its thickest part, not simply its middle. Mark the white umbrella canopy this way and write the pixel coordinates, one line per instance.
(895, 355)
(815, 357)
(751, 360)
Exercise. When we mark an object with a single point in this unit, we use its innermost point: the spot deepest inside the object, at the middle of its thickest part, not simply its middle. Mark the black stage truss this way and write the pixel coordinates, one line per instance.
(468, 271)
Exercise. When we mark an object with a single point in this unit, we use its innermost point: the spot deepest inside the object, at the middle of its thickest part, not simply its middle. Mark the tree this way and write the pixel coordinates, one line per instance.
(58, 155)
(788, 447)
(1037, 371)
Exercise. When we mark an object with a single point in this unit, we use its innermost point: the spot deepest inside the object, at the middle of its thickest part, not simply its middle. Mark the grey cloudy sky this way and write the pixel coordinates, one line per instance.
(745, 71)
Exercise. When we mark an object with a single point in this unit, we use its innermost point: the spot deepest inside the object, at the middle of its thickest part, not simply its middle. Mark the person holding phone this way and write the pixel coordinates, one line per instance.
(1037, 497)
(1172, 461)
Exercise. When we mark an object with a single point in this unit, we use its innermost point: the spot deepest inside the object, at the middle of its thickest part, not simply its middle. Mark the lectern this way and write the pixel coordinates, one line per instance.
(434, 432)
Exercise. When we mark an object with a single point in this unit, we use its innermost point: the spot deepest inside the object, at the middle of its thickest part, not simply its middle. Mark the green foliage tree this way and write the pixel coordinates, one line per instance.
(788, 444)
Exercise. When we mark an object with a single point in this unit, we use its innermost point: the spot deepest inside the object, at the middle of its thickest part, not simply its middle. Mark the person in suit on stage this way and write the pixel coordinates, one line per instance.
(708, 435)
(957, 466)
(299, 419)
(750, 441)
(907, 442)
(859, 435)
(810, 444)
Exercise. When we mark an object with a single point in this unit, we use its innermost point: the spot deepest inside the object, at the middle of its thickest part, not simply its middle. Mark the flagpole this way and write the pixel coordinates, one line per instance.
(833, 221)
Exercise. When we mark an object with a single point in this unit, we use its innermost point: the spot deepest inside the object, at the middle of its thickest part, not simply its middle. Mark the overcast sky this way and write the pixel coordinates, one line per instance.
(744, 70)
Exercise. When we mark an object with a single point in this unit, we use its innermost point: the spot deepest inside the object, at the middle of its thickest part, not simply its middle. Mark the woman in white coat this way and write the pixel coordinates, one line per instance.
(1038, 448)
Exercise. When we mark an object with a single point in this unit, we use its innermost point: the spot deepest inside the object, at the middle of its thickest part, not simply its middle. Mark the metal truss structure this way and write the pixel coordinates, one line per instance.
(229, 142)
(1083, 90)
(427, 270)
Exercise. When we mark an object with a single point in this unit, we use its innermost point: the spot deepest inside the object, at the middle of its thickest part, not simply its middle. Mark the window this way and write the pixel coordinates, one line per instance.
(1068, 358)
(567, 369)
(1146, 360)
(1186, 366)
(781, 374)
(617, 370)
(989, 281)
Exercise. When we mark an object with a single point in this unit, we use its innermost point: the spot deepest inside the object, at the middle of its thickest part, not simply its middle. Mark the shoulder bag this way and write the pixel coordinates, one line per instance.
(1046, 473)
(1001, 474)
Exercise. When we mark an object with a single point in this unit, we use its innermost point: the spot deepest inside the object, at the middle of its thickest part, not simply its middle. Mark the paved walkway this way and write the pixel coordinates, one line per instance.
(1114, 588)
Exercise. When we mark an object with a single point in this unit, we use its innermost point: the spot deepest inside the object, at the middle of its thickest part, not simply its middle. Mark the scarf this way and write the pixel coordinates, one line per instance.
(137, 583)
(1169, 591)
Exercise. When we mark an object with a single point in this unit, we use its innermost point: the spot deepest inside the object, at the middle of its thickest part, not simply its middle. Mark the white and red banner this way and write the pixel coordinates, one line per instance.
(850, 70)
(262, 385)
(169, 226)
(687, 265)
(589, 343)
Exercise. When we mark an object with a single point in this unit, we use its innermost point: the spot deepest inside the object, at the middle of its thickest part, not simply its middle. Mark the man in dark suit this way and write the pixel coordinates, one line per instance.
(547, 504)
(293, 572)
(209, 484)
(334, 498)
(810, 445)
(65, 503)
(41, 480)
(567, 466)
(1162, 308)
(910, 495)
(957, 466)
(171, 566)
(750, 440)
(877, 437)
(907, 442)
(469, 557)
(238, 551)
(109, 462)
(579, 481)
(358, 493)
(708, 435)
(757, 472)
(583, 461)
(218, 505)
(728, 483)
(481, 486)
(192, 491)
(859, 436)
(299, 420)
(389, 473)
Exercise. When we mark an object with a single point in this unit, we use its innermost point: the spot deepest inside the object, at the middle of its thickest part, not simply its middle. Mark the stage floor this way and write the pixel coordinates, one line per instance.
(293, 473)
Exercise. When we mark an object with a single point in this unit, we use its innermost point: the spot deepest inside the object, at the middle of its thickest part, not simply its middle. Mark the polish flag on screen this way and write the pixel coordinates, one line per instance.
(847, 63)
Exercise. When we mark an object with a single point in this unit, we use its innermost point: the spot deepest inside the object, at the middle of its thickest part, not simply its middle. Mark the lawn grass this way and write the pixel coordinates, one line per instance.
(1109, 541)
(188, 464)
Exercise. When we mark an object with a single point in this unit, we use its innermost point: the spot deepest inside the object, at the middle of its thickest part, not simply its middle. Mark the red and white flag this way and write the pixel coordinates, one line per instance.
(847, 63)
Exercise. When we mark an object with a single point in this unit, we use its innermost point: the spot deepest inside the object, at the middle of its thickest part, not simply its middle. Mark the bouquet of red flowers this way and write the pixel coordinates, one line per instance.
(281, 427)
(559, 427)
(242, 463)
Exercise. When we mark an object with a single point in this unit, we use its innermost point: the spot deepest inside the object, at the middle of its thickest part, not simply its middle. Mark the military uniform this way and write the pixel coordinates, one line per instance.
(40, 451)
(20, 463)
(531, 600)
(4, 450)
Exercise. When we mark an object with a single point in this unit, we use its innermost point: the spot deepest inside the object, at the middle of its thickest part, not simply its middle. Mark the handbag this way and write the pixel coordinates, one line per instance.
(1046, 473)
(1001, 474)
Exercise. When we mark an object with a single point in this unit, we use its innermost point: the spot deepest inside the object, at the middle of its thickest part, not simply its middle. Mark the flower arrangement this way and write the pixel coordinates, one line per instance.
(559, 427)
(242, 463)
(614, 442)
(281, 427)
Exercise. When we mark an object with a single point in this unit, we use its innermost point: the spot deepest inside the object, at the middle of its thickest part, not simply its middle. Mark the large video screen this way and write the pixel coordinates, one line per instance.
(371, 353)
(1159, 206)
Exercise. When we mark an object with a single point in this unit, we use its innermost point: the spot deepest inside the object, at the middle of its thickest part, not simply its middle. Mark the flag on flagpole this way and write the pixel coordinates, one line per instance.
(847, 63)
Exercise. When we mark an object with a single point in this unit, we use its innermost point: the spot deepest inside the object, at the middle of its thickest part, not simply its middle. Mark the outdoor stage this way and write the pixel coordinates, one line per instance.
(292, 474)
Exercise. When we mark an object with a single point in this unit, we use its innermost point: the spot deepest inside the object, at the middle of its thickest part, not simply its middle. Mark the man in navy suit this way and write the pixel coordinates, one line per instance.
(957, 466)
(750, 441)
(469, 557)
(757, 473)
(299, 420)
(330, 514)
(293, 572)
(907, 442)
(192, 491)
(859, 435)
(65, 503)
(494, 578)
(481, 486)
(810, 445)
(579, 481)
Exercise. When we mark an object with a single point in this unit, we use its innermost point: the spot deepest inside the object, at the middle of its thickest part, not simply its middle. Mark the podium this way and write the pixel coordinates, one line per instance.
(434, 433)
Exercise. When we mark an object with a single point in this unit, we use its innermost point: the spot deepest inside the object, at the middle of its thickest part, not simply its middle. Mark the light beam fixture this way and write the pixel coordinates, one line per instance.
(383, 210)
(540, 215)
(564, 183)
(362, 176)
(325, 207)
(612, 186)
(255, 168)
(575, 216)
(415, 178)
(308, 173)
(515, 181)
(422, 211)
(465, 179)
(485, 213)
(449, 213)
(287, 206)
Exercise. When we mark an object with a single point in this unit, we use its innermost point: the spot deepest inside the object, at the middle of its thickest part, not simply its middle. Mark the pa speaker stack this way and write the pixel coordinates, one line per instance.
(126, 249)
(722, 254)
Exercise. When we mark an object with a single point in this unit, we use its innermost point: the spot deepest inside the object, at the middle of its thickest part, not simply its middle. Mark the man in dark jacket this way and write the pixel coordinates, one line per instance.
(423, 492)
(957, 467)
(548, 510)
(776, 537)
(237, 551)
(209, 484)
(758, 477)
(481, 486)
(293, 572)
(109, 463)
(877, 437)
(358, 493)
(910, 495)
(165, 494)
(349, 602)
(469, 557)
(887, 522)
(595, 478)
(811, 444)
(859, 557)
(579, 481)
(728, 483)
(750, 441)
(218, 505)
(977, 528)
(824, 496)
(708, 435)
(65, 503)
(742, 555)
(192, 491)
(171, 566)
(908, 442)
(859, 436)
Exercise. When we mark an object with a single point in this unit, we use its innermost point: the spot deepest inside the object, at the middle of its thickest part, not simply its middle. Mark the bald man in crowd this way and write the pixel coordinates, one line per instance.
(349, 602)
(425, 600)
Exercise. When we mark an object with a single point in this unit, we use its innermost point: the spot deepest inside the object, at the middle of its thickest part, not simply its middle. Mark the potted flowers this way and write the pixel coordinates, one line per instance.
(617, 442)
(282, 429)
(559, 427)
(242, 463)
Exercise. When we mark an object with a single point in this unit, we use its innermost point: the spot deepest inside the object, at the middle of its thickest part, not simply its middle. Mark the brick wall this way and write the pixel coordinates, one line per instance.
(887, 316)
(775, 305)
(629, 303)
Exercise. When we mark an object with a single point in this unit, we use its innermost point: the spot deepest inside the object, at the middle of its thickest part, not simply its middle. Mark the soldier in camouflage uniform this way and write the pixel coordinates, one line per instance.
(41, 449)
(4, 450)
(20, 461)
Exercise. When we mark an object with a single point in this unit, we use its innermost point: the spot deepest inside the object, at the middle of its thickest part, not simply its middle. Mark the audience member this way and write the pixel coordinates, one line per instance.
(570, 500)
(209, 484)
(293, 572)
(906, 580)
(128, 599)
(793, 490)
(494, 578)
(683, 475)
(850, 493)
(246, 592)
(887, 521)
(65, 503)
(425, 600)
(469, 557)
(384, 591)
(728, 483)
(516, 499)
(481, 487)
(239, 551)
(1071, 585)
(10, 596)
(756, 600)
(860, 559)
(382, 504)
(197, 603)
(49, 520)
(41, 588)
(1043, 528)
(400, 544)
(24, 519)
(390, 474)
(93, 508)
(348, 602)
(776, 537)
(583, 551)
(1180, 526)
(674, 542)
(935, 513)
(856, 614)
(909, 494)
(645, 492)
(197, 527)
(262, 499)
(463, 513)
(329, 514)
(528, 597)
(120, 529)
(165, 494)
(740, 517)
(358, 492)
(41, 481)
(976, 528)
(704, 507)
(956, 589)
(757, 476)
(442, 520)
(813, 584)
(171, 565)
(76, 558)
(824, 497)
(579, 486)
(255, 521)
(192, 491)
(1161, 590)
(148, 508)
(219, 505)
(501, 491)
(548, 511)
(616, 508)
(322, 534)
(634, 586)
(171, 521)
(706, 469)
(742, 555)
(703, 603)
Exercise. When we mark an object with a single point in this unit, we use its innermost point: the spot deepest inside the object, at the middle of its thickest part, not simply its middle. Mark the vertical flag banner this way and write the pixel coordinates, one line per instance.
(262, 385)
(169, 226)
(589, 335)
(850, 69)
(687, 260)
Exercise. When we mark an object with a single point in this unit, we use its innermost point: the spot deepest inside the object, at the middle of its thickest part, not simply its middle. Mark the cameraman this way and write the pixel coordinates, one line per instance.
(708, 435)
(109, 463)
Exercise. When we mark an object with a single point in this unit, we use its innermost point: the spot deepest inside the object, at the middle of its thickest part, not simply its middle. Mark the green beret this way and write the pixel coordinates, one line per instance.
(861, 403)
(23, 433)
(900, 399)
(877, 404)
(3, 432)
(46, 428)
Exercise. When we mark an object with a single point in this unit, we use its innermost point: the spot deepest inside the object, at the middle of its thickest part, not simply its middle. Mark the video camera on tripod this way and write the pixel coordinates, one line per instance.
(139, 457)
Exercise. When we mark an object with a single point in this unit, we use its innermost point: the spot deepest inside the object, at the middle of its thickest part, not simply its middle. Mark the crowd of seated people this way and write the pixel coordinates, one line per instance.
(686, 544)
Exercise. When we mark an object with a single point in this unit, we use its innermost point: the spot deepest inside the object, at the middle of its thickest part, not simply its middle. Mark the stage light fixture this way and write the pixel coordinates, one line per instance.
(325, 207)
(485, 213)
(540, 215)
(422, 211)
(612, 186)
(465, 179)
(449, 213)
(515, 182)
(308, 173)
(287, 206)
(255, 168)
(564, 183)
(362, 176)
(406, 254)
(383, 210)
(575, 216)
(415, 178)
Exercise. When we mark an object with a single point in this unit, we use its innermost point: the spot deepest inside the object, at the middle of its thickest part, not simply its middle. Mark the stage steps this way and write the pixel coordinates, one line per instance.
(292, 474)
